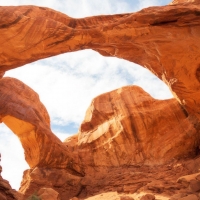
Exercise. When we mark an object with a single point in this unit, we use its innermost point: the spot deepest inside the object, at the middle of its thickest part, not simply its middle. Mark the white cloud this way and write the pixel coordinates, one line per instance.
(80, 8)
(83, 8)
(12, 157)
(67, 83)
(66, 87)
(147, 3)
(63, 135)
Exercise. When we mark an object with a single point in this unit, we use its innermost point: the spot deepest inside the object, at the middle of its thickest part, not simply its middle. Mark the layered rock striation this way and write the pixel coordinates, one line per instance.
(29, 33)
(22, 111)
(128, 127)
(125, 130)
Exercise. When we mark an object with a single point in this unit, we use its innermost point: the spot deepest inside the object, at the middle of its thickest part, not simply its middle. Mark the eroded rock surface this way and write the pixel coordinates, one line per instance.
(99, 182)
(22, 111)
(127, 127)
(164, 39)
(184, 1)
(125, 132)
(128, 141)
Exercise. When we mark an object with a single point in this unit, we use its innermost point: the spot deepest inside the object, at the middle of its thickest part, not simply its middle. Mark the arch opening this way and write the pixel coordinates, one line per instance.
(45, 80)
(66, 85)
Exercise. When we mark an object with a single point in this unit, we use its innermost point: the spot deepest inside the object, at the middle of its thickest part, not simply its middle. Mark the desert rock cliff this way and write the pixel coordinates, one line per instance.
(115, 160)
(128, 142)
(128, 127)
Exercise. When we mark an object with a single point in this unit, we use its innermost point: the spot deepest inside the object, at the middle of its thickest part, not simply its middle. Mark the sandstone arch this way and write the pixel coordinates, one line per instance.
(29, 33)
(22, 111)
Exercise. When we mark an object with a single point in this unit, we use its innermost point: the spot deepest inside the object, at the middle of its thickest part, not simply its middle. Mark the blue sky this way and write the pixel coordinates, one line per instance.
(67, 83)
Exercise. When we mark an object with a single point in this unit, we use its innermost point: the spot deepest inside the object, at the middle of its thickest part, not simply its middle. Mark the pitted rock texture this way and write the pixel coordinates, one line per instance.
(61, 180)
(48, 194)
(101, 182)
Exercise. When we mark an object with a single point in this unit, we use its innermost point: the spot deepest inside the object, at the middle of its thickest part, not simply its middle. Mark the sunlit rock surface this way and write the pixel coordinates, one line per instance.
(122, 130)
(128, 141)
(22, 111)
(184, 1)
(128, 127)
(163, 39)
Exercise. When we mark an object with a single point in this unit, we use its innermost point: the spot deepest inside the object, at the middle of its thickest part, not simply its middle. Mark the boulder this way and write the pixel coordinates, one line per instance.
(48, 194)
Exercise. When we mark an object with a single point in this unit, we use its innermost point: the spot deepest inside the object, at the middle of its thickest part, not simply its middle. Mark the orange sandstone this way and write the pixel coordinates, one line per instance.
(163, 39)
(123, 130)
(127, 127)
(22, 111)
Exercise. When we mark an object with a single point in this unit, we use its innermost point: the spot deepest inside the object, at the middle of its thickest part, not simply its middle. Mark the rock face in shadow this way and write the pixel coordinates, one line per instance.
(128, 141)
(6, 192)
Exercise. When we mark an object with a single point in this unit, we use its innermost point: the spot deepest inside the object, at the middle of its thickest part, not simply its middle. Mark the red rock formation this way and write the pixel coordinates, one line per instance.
(62, 181)
(48, 194)
(22, 111)
(29, 33)
(184, 1)
(160, 180)
(123, 129)
(127, 127)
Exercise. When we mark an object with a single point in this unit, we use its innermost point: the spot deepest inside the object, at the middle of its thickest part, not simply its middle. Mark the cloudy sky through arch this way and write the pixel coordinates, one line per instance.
(67, 83)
